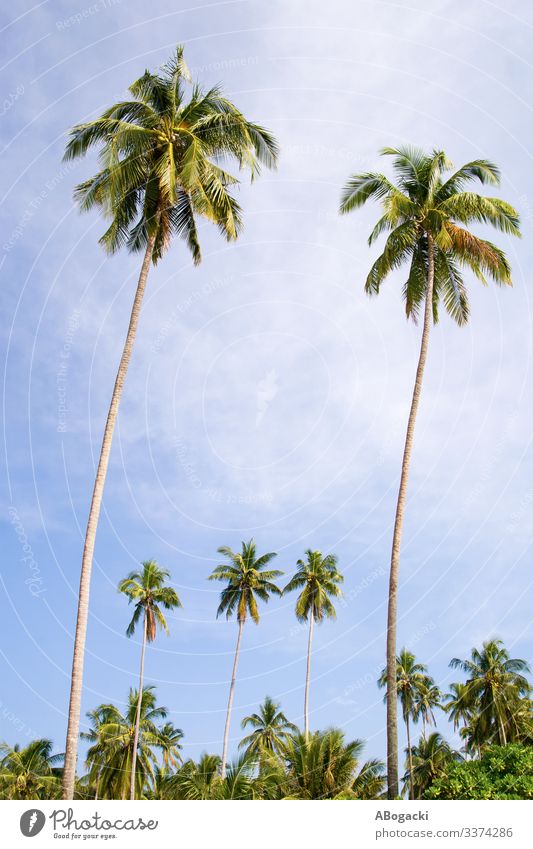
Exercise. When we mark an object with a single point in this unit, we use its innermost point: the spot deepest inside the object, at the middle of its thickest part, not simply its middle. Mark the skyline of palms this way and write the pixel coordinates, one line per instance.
(422, 212)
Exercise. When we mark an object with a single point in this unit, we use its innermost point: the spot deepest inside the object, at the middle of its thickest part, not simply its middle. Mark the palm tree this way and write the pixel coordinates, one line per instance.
(98, 719)
(411, 678)
(322, 765)
(147, 590)
(195, 781)
(427, 697)
(319, 579)
(428, 761)
(422, 213)
(271, 730)
(160, 155)
(112, 753)
(494, 688)
(370, 781)
(170, 743)
(29, 772)
(247, 581)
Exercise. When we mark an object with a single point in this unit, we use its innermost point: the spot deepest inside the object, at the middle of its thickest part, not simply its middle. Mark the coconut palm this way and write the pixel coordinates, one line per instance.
(318, 579)
(29, 772)
(95, 736)
(422, 213)
(247, 581)
(146, 589)
(170, 744)
(494, 688)
(370, 781)
(161, 154)
(428, 761)
(271, 729)
(411, 678)
(113, 751)
(322, 765)
(427, 697)
(195, 781)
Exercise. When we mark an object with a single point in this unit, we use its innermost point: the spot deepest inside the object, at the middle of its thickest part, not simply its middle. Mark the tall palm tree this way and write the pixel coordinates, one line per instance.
(493, 690)
(271, 729)
(170, 743)
(113, 750)
(147, 590)
(246, 581)
(29, 772)
(423, 213)
(319, 579)
(428, 761)
(160, 153)
(411, 678)
(427, 697)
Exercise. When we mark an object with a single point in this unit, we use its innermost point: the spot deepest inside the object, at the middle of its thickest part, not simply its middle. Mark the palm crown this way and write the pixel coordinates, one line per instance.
(161, 157)
(426, 209)
(494, 689)
(411, 680)
(271, 729)
(247, 580)
(147, 590)
(319, 579)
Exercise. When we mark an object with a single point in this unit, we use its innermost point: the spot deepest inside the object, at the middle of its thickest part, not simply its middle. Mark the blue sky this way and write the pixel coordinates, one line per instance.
(267, 395)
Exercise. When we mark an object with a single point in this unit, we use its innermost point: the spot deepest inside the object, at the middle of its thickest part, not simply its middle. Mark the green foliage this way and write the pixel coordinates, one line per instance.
(494, 703)
(111, 735)
(318, 579)
(422, 213)
(503, 772)
(271, 730)
(247, 580)
(147, 590)
(160, 156)
(29, 772)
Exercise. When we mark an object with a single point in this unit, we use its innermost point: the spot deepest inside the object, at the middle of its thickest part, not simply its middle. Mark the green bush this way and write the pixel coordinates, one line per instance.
(503, 772)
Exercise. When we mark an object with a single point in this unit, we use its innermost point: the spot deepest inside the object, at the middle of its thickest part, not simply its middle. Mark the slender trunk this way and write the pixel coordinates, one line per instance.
(308, 676)
(410, 759)
(138, 716)
(71, 748)
(230, 701)
(392, 716)
(424, 725)
(503, 735)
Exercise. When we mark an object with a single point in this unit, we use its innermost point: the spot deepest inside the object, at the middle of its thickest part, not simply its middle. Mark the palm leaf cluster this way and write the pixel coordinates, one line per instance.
(426, 212)
(163, 158)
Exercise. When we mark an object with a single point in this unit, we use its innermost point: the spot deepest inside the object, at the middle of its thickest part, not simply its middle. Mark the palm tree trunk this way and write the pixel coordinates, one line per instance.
(410, 758)
(71, 748)
(424, 725)
(308, 676)
(392, 716)
(137, 717)
(230, 701)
